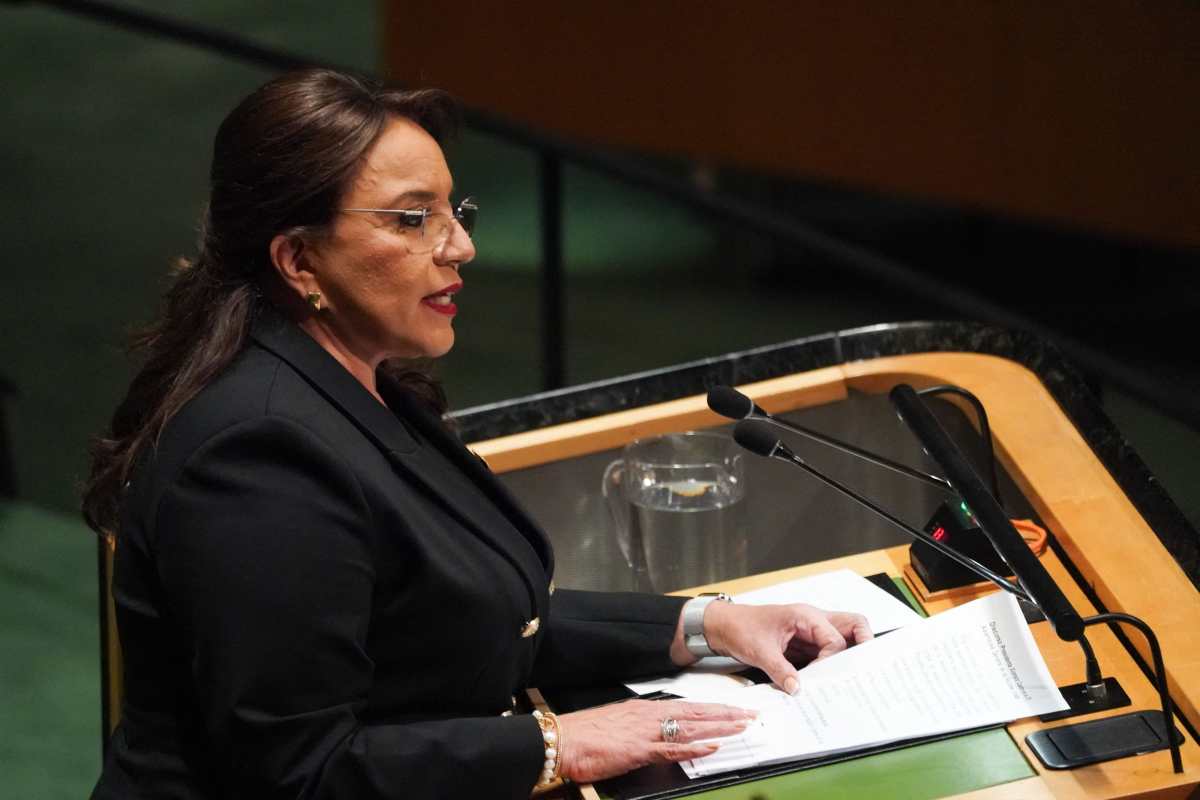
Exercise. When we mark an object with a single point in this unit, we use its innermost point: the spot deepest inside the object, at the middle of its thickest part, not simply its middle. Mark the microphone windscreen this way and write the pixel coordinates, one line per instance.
(756, 436)
(729, 402)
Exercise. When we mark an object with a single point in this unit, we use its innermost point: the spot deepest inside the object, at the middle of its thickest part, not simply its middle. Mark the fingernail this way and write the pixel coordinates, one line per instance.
(791, 686)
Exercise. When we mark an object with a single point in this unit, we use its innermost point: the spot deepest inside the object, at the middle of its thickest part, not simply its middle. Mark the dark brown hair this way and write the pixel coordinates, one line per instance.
(281, 161)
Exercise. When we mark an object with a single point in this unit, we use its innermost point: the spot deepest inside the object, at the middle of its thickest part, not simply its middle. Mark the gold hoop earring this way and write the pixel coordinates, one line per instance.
(314, 300)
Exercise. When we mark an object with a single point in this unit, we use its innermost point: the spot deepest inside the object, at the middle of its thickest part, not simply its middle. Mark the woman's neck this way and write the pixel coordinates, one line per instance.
(362, 369)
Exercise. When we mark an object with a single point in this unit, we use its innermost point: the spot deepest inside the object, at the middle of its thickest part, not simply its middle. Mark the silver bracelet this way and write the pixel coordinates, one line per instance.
(693, 623)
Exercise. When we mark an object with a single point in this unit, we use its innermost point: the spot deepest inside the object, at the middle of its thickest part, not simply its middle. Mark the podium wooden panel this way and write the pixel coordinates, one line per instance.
(1099, 529)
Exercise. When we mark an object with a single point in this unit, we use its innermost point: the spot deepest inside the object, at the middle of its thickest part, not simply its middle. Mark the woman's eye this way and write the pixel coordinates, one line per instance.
(411, 220)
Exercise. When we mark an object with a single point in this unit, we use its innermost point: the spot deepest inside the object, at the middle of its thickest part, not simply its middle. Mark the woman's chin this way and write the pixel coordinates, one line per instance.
(440, 346)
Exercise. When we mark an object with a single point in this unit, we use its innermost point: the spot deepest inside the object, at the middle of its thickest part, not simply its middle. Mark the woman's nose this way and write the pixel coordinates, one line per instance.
(458, 248)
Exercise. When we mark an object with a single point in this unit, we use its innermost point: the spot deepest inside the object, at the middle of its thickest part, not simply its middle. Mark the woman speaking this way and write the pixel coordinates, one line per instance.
(320, 592)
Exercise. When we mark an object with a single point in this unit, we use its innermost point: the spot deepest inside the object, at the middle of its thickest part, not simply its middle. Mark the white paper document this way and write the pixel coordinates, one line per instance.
(699, 681)
(971, 666)
(839, 590)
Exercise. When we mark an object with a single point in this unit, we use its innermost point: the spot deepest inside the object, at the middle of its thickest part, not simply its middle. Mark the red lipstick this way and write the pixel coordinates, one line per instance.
(442, 301)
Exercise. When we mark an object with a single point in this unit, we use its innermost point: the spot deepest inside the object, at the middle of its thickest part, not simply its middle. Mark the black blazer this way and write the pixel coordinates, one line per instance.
(320, 597)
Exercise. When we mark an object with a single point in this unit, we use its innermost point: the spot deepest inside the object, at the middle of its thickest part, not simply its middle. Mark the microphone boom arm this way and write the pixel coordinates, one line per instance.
(747, 434)
(858, 452)
(729, 402)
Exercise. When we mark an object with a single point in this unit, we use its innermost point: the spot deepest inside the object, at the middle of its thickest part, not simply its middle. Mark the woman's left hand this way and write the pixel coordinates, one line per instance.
(777, 638)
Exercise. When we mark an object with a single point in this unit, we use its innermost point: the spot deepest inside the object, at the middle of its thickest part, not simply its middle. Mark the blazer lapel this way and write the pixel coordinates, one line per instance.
(388, 431)
(283, 338)
(478, 472)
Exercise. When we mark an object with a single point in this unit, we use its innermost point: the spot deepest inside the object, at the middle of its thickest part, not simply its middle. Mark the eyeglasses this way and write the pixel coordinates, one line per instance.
(426, 230)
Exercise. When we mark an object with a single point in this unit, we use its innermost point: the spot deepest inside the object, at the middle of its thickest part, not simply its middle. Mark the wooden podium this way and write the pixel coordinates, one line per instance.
(1121, 562)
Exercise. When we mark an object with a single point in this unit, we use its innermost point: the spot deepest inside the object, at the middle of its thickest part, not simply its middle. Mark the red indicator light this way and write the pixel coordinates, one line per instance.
(939, 533)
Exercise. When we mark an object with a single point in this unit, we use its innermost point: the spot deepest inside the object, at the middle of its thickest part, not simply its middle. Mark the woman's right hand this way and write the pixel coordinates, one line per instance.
(611, 740)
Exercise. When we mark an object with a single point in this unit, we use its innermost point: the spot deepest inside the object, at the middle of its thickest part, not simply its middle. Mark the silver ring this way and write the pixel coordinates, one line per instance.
(669, 728)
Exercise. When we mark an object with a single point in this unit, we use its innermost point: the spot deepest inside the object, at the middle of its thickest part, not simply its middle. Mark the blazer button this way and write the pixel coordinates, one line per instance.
(530, 628)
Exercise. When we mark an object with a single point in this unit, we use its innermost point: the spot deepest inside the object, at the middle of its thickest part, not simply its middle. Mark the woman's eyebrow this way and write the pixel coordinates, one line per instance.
(412, 196)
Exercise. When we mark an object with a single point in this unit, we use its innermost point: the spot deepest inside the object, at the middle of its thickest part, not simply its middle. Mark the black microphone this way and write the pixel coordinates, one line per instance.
(992, 520)
(755, 436)
(729, 402)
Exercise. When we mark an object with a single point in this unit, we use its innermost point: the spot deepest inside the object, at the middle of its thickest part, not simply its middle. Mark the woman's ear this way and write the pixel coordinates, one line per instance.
(291, 257)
